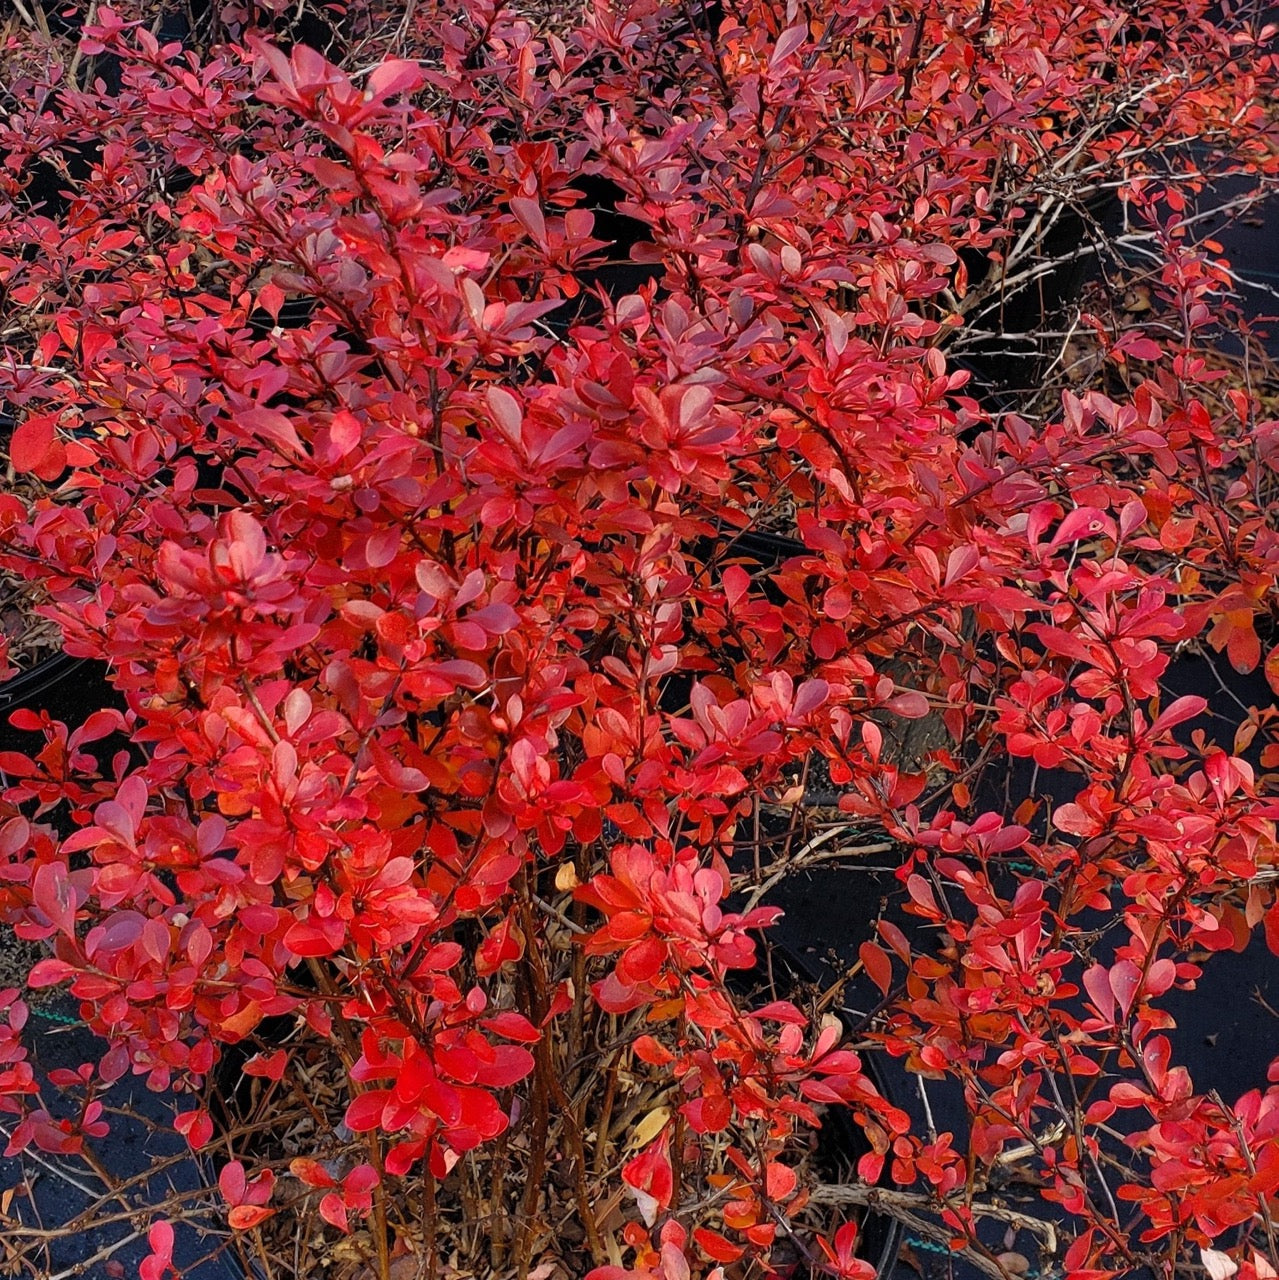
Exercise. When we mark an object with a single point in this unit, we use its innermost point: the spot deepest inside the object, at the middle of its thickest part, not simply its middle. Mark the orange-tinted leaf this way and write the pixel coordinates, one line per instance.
(245, 1217)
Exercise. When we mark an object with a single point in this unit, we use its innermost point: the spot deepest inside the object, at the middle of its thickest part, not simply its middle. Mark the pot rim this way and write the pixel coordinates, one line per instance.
(28, 684)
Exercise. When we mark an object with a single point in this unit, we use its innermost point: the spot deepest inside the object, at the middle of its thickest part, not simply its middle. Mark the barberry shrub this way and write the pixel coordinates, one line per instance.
(455, 711)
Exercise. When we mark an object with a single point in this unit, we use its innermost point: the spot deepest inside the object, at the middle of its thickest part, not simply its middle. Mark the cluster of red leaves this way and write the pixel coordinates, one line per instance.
(400, 598)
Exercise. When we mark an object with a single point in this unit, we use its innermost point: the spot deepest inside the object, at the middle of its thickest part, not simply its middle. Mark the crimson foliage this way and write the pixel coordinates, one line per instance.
(449, 690)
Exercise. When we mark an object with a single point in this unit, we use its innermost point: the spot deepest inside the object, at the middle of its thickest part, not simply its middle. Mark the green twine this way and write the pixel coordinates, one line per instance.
(51, 1015)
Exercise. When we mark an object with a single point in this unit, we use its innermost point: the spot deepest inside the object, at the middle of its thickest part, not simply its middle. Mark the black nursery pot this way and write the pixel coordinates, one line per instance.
(66, 689)
(620, 273)
(840, 1143)
(1002, 363)
(140, 1151)
(69, 689)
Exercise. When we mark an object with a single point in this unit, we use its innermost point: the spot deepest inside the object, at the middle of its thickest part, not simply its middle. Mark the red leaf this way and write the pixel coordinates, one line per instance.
(509, 1066)
(272, 427)
(1125, 981)
(529, 213)
(345, 431)
(34, 446)
(879, 968)
(922, 895)
(504, 407)
(1073, 820)
(782, 1011)
(271, 1067)
(366, 1110)
(393, 76)
(514, 1026)
(52, 893)
(715, 1246)
(361, 1180)
(305, 939)
(1178, 712)
(1097, 984)
(333, 1211)
(961, 561)
(1084, 522)
(910, 706)
(160, 1238)
(1132, 344)
(896, 939)
(48, 973)
(709, 1115)
(651, 1179)
(232, 1182)
(312, 1172)
(195, 1126)
(646, 1049)
(245, 1217)
(159, 1261)
(787, 43)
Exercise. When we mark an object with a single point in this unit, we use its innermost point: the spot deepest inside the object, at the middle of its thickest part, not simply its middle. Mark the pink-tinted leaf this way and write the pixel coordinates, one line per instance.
(51, 891)
(392, 77)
